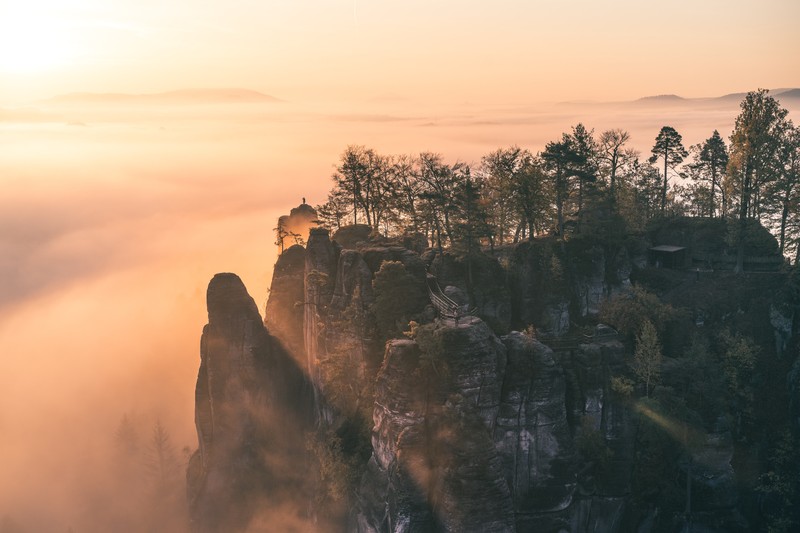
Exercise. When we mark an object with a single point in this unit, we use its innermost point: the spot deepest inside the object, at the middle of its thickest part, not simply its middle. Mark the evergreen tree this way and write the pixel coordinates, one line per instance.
(407, 190)
(584, 164)
(712, 159)
(472, 225)
(669, 148)
(333, 212)
(559, 157)
(364, 177)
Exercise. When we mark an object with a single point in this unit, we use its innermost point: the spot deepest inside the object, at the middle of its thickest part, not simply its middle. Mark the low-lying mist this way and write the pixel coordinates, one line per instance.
(114, 218)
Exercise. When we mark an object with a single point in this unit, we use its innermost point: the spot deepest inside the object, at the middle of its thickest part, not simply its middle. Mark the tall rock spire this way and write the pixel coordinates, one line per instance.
(252, 414)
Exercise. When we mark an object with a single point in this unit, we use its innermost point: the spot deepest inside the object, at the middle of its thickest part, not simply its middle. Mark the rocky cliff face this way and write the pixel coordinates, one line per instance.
(474, 427)
(285, 307)
(434, 457)
(251, 415)
(532, 433)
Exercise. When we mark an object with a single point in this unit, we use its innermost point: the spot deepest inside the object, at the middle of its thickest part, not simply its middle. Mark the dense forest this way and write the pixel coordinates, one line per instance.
(578, 180)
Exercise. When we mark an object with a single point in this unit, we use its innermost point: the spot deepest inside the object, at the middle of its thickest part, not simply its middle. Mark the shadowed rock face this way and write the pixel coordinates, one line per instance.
(284, 313)
(471, 432)
(353, 280)
(488, 294)
(532, 433)
(252, 410)
(433, 454)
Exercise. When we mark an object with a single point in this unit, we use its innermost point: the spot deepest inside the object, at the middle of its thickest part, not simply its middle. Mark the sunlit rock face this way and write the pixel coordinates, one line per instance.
(294, 228)
(252, 410)
(319, 280)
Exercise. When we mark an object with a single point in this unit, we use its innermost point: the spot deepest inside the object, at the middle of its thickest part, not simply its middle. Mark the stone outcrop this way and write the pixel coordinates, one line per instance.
(293, 229)
(474, 427)
(252, 409)
(434, 458)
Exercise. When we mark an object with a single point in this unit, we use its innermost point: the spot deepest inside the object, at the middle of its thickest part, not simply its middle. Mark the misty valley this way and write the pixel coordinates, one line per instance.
(580, 339)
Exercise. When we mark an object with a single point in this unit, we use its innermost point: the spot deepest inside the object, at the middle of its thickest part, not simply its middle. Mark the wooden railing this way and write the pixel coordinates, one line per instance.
(445, 306)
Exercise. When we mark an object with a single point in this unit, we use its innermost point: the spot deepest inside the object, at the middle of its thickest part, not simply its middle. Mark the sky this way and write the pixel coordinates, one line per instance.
(114, 217)
(508, 51)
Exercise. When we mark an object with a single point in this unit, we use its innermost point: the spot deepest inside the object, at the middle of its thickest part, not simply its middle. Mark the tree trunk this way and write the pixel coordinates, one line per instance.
(743, 210)
(713, 185)
(664, 187)
(560, 212)
(613, 177)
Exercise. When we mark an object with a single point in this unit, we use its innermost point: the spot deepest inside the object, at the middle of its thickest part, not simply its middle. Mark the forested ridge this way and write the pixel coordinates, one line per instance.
(578, 180)
(590, 382)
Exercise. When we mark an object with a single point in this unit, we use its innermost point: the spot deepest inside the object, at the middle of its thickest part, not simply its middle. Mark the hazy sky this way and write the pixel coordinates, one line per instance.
(114, 218)
(501, 51)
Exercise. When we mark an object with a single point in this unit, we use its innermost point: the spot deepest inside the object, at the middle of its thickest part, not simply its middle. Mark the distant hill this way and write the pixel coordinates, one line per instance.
(184, 96)
(788, 93)
(662, 98)
(732, 98)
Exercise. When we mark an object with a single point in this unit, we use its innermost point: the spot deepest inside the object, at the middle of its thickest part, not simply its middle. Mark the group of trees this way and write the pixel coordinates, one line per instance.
(512, 193)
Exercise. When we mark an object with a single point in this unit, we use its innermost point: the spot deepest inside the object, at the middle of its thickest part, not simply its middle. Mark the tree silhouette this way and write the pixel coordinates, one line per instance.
(612, 155)
(559, 156)
(669, 147)
(713, 158)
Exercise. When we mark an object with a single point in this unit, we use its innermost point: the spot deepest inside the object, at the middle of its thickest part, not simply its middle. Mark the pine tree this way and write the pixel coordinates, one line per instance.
(712, 160)
(559, 156)
(669, 147)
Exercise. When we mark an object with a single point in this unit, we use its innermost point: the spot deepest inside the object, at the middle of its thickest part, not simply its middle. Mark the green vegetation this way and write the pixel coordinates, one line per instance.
(647, 357)
(628, 312)
(592, 447)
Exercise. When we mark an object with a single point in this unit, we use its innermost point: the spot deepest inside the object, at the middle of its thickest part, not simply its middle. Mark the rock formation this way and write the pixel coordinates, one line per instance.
(473, 426)
(251, 415)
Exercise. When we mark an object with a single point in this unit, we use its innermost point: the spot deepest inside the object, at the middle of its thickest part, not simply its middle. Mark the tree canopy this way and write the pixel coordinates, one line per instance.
(513, 194)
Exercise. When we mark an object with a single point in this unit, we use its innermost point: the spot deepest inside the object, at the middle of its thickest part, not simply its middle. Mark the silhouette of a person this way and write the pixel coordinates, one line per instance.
(304, 199)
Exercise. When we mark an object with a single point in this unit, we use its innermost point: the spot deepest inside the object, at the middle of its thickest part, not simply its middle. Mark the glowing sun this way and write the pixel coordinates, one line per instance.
(31, 43)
